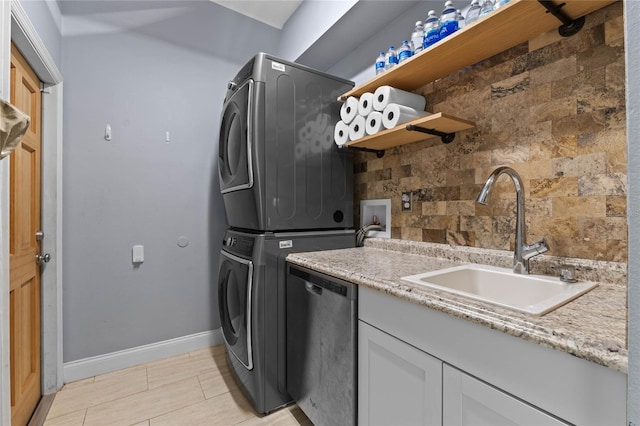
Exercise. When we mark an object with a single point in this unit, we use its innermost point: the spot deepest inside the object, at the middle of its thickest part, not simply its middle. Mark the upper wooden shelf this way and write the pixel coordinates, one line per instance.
(400, 136)
(512, 24)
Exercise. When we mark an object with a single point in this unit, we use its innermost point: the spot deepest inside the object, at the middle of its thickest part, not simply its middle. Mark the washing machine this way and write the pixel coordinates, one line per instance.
(251, 301)
(278, 164)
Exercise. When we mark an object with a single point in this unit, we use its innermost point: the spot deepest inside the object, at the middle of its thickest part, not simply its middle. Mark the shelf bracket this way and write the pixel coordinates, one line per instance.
(379, 152)
(445, 137)
(569, 26)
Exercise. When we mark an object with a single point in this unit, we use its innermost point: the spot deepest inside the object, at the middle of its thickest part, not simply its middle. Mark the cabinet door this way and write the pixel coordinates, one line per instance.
(469, 401)
(397, 383)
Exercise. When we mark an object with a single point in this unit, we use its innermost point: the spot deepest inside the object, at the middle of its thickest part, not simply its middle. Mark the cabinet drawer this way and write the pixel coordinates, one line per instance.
(469, 401)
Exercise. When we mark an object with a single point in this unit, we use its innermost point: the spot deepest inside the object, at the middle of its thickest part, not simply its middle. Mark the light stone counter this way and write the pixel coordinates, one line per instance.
(592, 327)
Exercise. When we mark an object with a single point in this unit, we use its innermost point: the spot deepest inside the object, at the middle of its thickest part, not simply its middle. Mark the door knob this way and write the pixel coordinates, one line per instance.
(43, 258)
(39, 236)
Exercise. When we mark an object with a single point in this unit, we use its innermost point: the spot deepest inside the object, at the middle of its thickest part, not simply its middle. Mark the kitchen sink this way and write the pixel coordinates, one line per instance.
(532, 294)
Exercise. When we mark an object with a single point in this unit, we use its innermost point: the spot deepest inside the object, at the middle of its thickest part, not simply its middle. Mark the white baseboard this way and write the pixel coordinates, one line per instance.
(101, 364)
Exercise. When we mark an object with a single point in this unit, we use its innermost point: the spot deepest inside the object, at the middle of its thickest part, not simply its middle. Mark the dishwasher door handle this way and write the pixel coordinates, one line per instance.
(313, 289)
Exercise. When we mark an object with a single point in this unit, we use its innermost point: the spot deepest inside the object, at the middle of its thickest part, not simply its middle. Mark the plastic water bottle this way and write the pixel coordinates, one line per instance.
(405, 51)
(499, 3)
(487, 8)
(448, 20)
(474, 12)
(460, 18)
(431, 30)
(390, 59)
(380, 63)
(417, 37)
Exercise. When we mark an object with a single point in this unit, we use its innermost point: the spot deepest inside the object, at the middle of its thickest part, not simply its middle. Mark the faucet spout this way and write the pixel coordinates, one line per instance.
(522, 252)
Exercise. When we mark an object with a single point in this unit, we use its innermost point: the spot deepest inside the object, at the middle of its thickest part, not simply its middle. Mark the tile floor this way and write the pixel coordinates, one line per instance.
(186, 390)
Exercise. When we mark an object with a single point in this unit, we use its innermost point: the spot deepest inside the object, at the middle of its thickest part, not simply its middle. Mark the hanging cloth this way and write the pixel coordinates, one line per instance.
(13, 125)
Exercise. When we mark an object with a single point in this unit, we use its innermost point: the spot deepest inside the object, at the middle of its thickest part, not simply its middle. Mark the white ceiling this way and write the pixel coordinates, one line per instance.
(271, 12)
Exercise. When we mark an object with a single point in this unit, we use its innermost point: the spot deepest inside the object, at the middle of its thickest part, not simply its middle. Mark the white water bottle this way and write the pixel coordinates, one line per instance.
(390, 59)
(460, 18)
(474, 12)
(380, 63)
(499, 3)
(417, 37)
(405, 51)
(487, 8)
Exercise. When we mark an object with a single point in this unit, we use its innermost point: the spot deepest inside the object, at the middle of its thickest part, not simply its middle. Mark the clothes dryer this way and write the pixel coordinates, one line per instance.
(279, 166)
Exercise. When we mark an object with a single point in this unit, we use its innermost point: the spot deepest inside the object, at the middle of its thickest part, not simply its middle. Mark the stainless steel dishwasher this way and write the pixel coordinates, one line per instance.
(321, 346)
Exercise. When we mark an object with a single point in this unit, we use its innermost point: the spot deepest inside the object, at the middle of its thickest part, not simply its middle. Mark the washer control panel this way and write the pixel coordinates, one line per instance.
(239, 245)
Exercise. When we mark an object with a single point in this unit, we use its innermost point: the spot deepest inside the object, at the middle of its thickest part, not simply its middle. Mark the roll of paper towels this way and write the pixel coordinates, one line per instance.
(341, 133)
(349, 110)
(365, 105)
(385, 95)
(374, 123)
(395, 114)
(357, 128)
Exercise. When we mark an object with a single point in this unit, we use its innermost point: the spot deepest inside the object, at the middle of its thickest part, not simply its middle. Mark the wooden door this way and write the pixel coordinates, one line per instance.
(24, 217)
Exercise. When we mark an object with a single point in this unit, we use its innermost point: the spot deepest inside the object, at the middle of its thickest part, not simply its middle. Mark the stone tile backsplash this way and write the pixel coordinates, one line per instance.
(554, 110)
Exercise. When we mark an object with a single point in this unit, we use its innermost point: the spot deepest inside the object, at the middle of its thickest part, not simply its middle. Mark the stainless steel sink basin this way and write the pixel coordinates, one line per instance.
(533, 294)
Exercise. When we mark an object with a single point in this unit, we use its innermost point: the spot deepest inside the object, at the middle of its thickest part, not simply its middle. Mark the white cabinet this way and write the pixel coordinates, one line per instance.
(397, 383)
(489, 377)
(468, 401)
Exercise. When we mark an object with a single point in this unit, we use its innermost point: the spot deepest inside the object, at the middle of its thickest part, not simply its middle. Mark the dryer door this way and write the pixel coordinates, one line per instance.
(235, 279)
(234, 155)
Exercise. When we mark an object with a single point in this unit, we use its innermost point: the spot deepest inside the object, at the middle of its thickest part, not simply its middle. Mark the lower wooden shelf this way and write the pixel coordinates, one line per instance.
(399, 135)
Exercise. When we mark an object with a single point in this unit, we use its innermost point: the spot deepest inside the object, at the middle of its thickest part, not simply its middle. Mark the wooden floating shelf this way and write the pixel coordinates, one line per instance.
(516, 22)
(400, 136)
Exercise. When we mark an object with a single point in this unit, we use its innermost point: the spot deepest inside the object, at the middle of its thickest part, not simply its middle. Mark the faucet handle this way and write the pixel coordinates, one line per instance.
(535, 249)
(568, 274)
(543, 245)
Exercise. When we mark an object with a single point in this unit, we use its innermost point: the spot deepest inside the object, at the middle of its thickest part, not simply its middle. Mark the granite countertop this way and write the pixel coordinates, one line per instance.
(592, 327)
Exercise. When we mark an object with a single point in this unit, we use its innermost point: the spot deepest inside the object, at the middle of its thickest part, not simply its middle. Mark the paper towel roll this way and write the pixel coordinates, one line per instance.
(365, 105)
(395, 114)
(341, 133)
(385, 95)
(349, 110)
(374, 123)
(357, 128)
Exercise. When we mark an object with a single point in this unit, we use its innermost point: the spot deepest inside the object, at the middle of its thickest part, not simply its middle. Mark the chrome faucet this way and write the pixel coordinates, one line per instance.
(522, 252)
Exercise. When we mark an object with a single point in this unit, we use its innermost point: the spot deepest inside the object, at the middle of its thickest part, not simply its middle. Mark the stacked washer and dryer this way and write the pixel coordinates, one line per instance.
(286, 188)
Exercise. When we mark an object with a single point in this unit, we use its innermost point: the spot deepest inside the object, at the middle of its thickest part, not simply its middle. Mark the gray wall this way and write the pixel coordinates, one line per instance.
(193, 24)
(344, 37)
(137, 189)
(632, 35)
(358, 65)
(45, 17)
(311, 20)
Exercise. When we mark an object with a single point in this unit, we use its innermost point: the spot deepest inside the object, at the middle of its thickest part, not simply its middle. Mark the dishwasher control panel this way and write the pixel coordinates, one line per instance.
(321, 282)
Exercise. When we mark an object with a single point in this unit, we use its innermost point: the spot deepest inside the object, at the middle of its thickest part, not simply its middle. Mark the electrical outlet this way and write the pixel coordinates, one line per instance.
(407, 202)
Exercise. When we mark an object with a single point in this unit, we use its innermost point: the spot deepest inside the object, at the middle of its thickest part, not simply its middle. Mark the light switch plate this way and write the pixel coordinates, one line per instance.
(137, 255)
